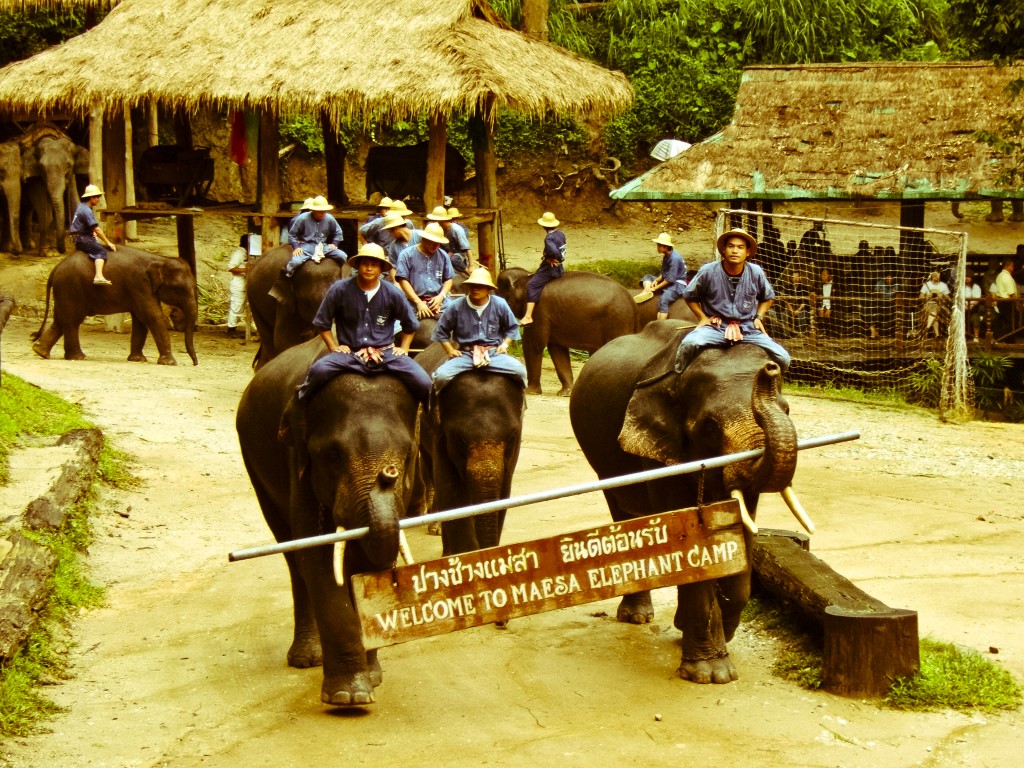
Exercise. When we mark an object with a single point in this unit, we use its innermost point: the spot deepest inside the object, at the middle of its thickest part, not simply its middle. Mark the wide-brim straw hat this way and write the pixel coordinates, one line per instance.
(399, 207)
(319, 203)
(434, 233)
(453, 213)
(92, 191)
(664, 239)
(307, 204)
(392, 220)
(548, 220)
(371, 251)
(385, 202)
(724, 238)
(440, 213)
(480, 276)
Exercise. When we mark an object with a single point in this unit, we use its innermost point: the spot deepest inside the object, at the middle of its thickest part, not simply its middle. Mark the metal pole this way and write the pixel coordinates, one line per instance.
(533, 498)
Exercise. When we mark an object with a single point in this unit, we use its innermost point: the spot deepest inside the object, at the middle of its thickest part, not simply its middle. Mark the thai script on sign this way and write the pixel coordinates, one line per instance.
(598, 543)
(455, 572)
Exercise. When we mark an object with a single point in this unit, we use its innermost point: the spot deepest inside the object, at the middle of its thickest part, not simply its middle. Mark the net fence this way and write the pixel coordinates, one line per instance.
(867, 305)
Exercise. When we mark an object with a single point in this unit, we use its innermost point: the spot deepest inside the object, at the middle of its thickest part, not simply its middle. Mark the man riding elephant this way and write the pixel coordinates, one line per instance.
(314, 235)
(86, 232)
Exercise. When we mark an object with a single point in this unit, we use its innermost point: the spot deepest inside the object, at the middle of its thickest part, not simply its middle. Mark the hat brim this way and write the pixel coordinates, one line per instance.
(552, 223)
(321, 208)
(381, 260)
(433, 239)
(492, 286)
(726, 236)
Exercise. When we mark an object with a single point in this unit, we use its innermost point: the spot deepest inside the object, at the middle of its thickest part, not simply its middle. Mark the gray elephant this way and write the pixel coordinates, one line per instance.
(647, 312)
(347, 458)
(49, 164)
(283, 308)
(471, 440)
(10, 185)
(631, 411)
(580, 310)
(141, 281)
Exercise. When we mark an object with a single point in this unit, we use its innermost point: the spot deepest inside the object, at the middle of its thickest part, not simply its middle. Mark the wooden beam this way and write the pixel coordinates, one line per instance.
(114, 171)
(269, 184)
(433, 194)
(334, 160)
(482, 131)
(185, 225)
(130, 227)
(95, 147)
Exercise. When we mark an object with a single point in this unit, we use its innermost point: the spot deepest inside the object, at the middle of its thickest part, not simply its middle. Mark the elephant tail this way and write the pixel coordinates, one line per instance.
(46, 312)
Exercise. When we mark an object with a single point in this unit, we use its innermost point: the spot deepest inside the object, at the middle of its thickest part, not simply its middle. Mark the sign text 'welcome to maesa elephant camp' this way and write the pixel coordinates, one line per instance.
(506, 582)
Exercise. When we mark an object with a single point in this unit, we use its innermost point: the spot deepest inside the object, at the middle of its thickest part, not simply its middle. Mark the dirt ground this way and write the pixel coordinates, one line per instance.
(185, 666)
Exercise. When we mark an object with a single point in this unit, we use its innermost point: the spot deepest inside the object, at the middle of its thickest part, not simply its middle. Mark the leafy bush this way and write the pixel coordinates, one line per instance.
(24, 34)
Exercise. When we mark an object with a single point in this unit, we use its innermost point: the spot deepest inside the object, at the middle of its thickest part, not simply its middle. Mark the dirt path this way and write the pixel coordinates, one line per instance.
(185, 666)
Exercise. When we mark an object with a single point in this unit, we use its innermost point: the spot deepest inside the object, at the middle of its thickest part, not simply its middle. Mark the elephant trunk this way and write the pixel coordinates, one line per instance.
(774, 470)
(485, 477)
(384, 510)
(191, 319)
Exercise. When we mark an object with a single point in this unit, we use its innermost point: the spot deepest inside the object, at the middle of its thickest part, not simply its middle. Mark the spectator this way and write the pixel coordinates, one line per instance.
(974, 312)
(936, 297)
(237, 266)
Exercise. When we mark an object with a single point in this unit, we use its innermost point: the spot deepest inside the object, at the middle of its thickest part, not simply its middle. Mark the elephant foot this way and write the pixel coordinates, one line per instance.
(533, 389)
(74, 356)
(706, 671)
(166, 360)
(305, 652)
(636, 609)
(565, 391)
(137, 357)
(434, 528)
(994, 218)
(348, 690)
(1016, 217)
(40, 350)
(374, 668)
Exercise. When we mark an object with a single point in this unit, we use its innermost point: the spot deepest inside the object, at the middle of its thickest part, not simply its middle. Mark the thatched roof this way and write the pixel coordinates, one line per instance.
(350, 58)
(888, 131)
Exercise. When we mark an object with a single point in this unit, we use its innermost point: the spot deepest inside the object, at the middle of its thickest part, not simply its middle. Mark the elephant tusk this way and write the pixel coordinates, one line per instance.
(789, 496)
(748, 521)
(339, 559)
(403, 547)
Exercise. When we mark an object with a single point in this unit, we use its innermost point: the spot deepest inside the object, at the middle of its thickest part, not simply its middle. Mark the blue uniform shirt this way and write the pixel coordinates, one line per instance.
(673, 268)
(360, 323)
(307, 230)
(714, 291)
(426, 274)
(373, 232)
(554, 245)
(462, 323)
(458, 237)
(84, 220)
(395, 247)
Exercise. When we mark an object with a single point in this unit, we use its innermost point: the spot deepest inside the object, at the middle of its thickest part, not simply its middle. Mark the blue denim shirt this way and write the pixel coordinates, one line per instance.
(84, 220)
(306, 229)
(489, 328)
(673, 268)
(712, 288)
(426, 274)
(360, 323)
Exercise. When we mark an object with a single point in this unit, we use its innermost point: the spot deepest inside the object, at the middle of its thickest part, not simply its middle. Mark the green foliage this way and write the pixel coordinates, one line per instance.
(924, 384)
(25, 34)
(955, 678)
(989, 373)
(519, 137)
(627, 273)
(115, 469)
(303, 130)
(988, 28)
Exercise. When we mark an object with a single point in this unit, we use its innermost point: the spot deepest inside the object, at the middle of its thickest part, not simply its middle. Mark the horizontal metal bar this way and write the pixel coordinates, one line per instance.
(534, 498)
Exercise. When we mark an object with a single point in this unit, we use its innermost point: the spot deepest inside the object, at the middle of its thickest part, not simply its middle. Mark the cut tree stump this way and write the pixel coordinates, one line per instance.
(24, 587)
(867, 643)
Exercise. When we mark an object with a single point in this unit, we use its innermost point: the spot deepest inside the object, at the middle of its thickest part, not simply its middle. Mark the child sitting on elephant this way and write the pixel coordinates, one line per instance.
(483, 326)
(551, 266)
(85, 230)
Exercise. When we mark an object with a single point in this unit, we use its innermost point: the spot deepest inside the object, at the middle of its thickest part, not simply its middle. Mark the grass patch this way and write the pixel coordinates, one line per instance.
(625, 272)
(889, 398)
(955, 678)
(950, 677)
(115, 469)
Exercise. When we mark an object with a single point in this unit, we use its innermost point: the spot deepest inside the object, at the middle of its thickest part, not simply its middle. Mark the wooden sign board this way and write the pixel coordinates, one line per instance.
(505, 582)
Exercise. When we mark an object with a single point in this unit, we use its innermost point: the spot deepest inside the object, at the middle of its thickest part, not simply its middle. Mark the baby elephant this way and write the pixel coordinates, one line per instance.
(139, 283)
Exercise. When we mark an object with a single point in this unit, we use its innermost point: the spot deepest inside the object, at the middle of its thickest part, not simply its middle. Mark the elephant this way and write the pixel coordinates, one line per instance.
(53, 158)
(10, 185)
(631, 411)
(347, 458)
(283, 308)
(141, 281)
(471, 443)
(647, 312)
(580, 310)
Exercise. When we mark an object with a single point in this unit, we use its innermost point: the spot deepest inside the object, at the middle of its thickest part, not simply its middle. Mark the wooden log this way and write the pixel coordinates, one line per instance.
(25, 572)
(866, 642)
(114, 169)
(433, 193)
(486, 161)
(50, 510)
(269, 181)
(334, 162)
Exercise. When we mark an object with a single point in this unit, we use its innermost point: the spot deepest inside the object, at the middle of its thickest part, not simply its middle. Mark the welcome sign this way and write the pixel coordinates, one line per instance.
(507, 582)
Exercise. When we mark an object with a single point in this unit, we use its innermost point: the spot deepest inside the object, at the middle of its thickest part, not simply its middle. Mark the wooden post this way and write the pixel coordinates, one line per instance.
(114, 175)
(334, 160)
(482, 131)
(269, 185)
(185, 225)
(152, 124)
(131, 228)
(535, 19)
(911, 215)
(95, 147)
(433, 194)
(865, 652)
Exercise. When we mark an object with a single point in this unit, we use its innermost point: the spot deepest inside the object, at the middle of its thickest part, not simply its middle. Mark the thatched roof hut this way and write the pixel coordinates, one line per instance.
(844, 131)
(346, 58)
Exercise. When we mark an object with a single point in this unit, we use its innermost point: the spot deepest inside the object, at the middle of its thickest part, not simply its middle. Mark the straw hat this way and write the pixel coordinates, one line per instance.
(319, 203)
(371, 251)
(439, 214)
(434, 233)
(392, 220)
(742, 233)
(307, 204)
(453, 213)
(92, 191)
(548, 220)
(385, 202)
(398, 206)
(480, 276)
(664, 239)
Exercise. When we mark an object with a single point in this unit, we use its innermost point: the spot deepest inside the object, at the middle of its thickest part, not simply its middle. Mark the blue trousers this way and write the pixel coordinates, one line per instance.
(334, 364)
(504, 364)
(91, 247)
(308, 249)
(669, 296)
(709, 336)
(544, 275)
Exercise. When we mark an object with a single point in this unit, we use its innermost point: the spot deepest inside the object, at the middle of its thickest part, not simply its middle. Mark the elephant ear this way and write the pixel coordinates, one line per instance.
(282, 292)
(292, 432)
(653, 425)
(155, 273)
